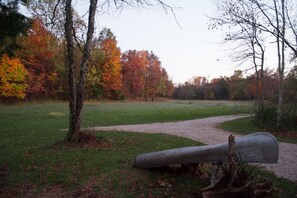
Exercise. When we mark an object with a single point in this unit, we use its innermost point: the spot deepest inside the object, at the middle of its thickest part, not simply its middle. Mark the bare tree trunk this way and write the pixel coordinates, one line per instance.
(71, 66)
(76, 99)
(257, 79)
(255, 41)
(262, 76)
(281, 61)
(279, 112)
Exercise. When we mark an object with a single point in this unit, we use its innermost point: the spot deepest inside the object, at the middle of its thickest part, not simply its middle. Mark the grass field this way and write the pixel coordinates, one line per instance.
(33, 162)
(247, 126)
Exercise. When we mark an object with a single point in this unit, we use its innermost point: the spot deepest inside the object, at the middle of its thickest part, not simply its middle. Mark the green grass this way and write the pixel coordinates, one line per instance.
(106, 170)
(247, 126)
(39, 165)
(135, 113)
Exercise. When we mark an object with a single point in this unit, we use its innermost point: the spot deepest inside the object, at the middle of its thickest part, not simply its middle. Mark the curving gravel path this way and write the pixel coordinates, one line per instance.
(204, 130)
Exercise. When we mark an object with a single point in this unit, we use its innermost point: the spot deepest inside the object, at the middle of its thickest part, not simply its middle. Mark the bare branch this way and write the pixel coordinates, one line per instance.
(54, 14)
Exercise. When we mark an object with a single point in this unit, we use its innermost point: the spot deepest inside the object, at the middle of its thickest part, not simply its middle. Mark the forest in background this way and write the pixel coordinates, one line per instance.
(237, 87)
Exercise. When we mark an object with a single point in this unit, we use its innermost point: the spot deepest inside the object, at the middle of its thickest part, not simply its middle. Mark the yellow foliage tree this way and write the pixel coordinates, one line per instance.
(12, 78)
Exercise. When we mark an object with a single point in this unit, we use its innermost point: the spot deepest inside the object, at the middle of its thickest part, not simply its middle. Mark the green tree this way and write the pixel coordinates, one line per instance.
(237, 86)
(12, 24)
(152, 77)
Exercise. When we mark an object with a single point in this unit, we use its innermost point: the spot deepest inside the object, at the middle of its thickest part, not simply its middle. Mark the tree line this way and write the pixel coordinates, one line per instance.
(238, 87)
(36, 68)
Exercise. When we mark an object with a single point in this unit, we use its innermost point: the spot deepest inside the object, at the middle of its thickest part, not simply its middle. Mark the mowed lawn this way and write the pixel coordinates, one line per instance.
(34, 162)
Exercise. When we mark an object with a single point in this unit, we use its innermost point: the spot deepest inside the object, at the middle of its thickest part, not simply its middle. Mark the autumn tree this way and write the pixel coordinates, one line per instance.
(12, 78)
(133, 70)
(37, 54)
(143, 76)
(152, 76)
(110, 67)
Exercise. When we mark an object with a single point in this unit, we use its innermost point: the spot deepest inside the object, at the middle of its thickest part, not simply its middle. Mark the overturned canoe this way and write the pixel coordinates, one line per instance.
(258, 147)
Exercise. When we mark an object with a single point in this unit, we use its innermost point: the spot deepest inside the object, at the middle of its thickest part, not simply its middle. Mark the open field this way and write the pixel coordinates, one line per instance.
(34, 162)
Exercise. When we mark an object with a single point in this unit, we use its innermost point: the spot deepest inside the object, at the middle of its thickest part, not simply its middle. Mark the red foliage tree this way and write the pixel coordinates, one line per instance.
(134, 64)
(37, 54)
(143, 76)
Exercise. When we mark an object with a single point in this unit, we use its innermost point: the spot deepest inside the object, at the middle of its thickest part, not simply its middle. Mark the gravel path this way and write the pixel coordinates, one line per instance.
(204, 130)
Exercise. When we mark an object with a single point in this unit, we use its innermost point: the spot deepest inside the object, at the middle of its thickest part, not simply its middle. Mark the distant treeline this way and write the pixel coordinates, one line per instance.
(237, 87)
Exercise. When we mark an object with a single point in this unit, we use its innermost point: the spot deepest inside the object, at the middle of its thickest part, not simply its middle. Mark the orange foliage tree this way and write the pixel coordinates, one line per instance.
(152, 77)
(12, 78)
(111, 70)
(37, 54)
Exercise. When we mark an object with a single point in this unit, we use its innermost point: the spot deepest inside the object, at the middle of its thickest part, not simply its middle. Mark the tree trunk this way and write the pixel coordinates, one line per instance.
(76, 98)
(262, 76)
(257, 76)
(279, 110)
(71, 68)
(281, 62)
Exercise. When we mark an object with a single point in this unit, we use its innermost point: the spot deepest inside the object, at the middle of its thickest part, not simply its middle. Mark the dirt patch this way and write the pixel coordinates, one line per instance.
(88, 140)
(194, 170)
(31, 190)
(4, 170)
(286, 134)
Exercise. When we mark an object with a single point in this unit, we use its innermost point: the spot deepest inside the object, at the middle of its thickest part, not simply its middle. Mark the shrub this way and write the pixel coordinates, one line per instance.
(266, 115)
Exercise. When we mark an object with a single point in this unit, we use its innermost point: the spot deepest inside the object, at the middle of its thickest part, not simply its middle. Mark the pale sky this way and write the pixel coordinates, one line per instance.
(185, 51)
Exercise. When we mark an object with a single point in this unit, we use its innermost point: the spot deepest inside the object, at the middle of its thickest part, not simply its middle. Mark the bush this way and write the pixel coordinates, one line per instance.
(266, 116)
